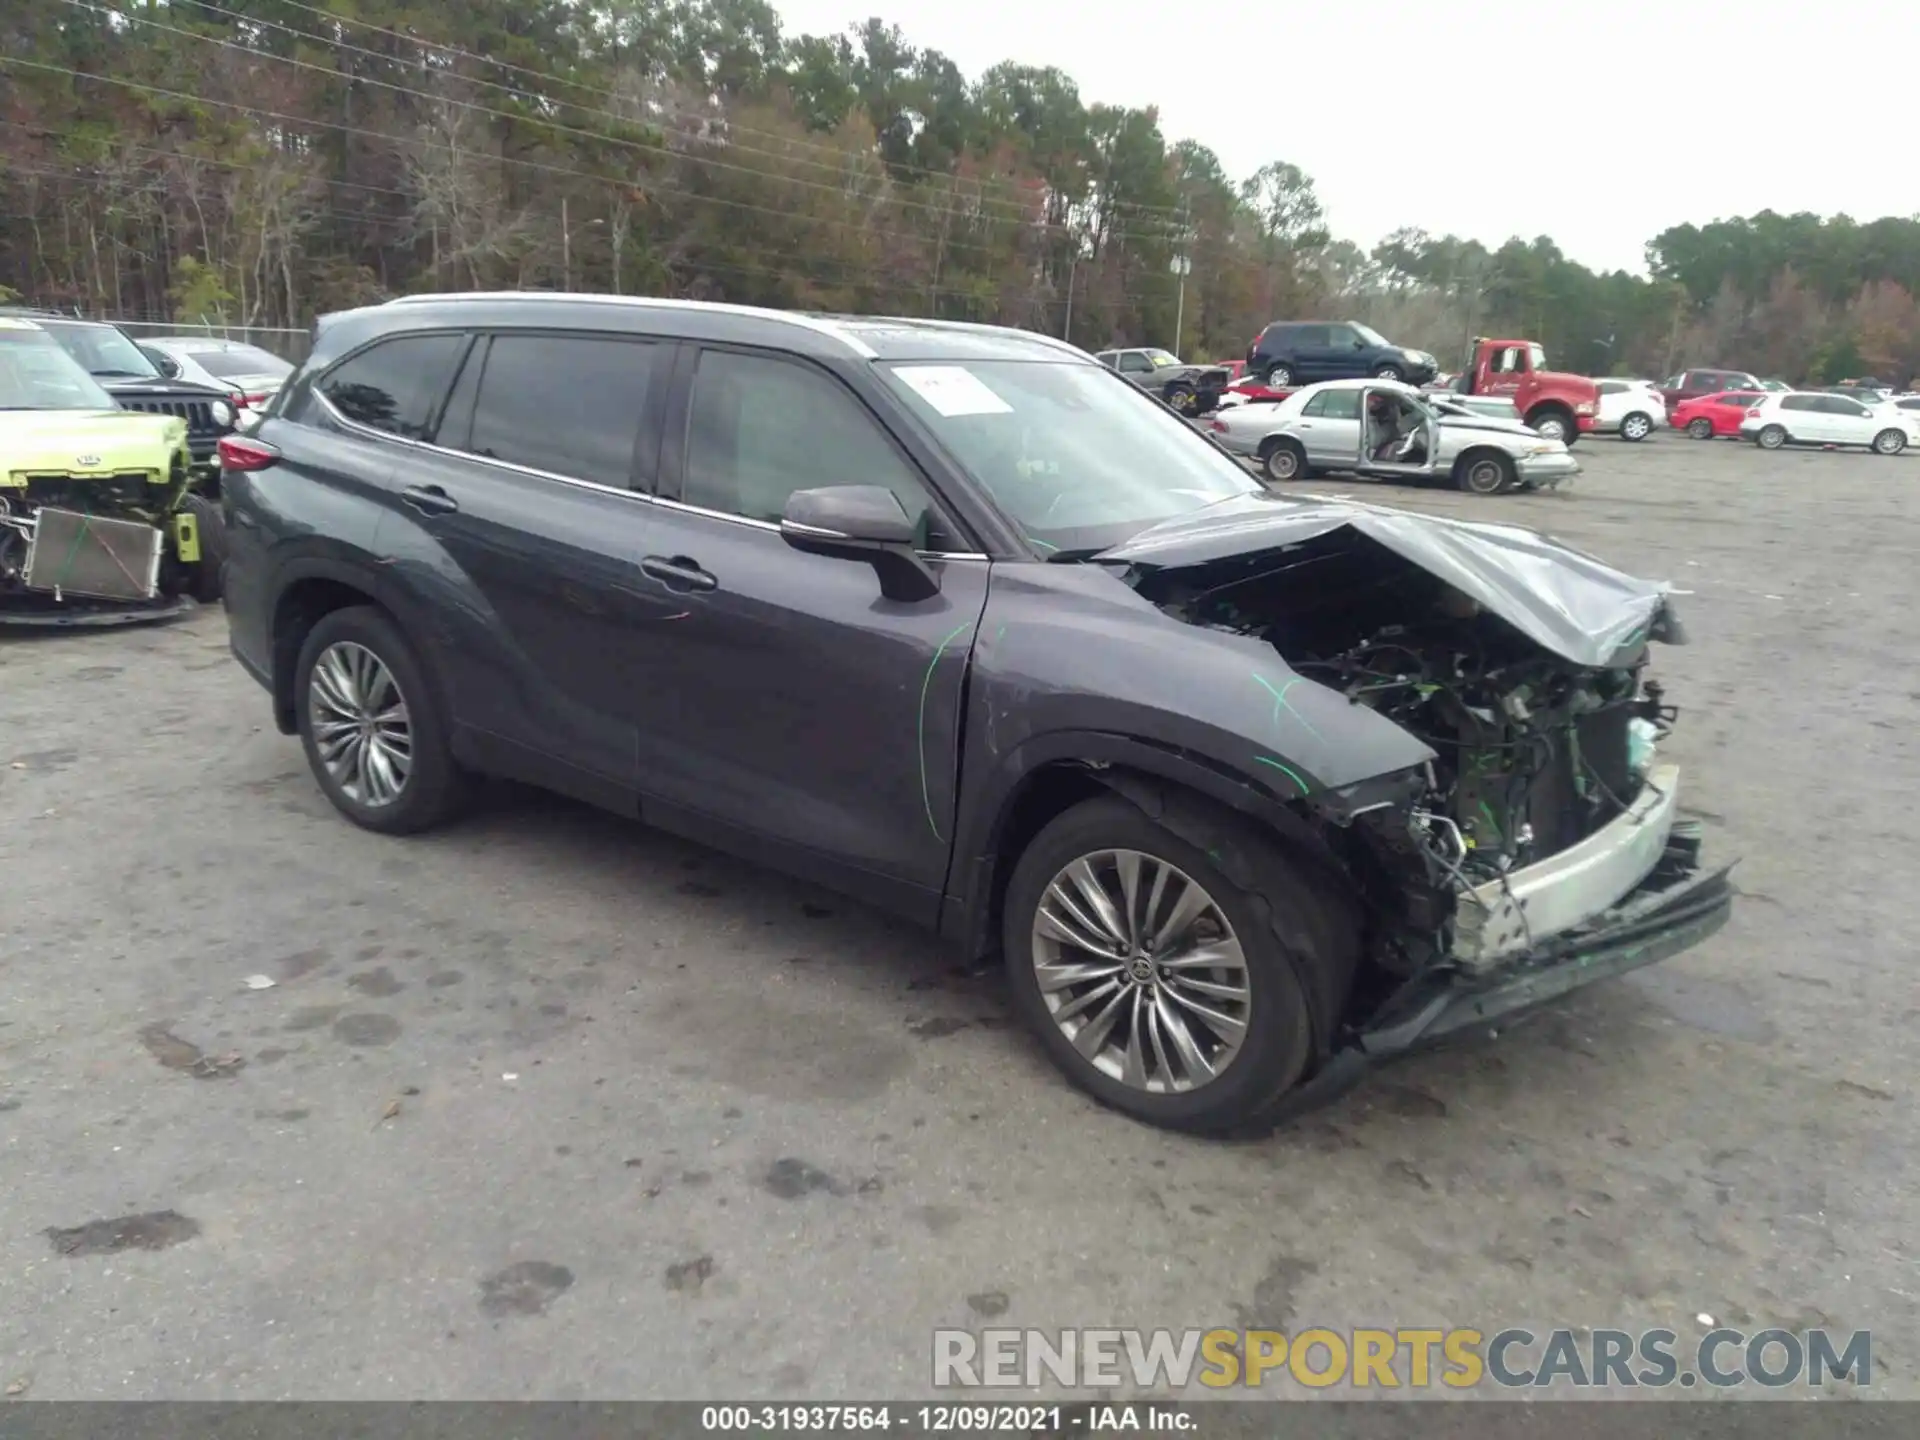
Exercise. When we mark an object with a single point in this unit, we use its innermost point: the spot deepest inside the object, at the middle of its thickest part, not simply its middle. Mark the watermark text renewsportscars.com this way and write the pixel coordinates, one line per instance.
(1400, 1359)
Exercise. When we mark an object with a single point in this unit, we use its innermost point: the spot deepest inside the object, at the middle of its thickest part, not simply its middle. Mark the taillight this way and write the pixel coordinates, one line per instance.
(254, 402)
(242, 453)
(1217, 426)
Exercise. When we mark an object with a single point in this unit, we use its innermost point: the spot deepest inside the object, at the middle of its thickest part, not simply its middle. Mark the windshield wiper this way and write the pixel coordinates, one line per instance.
(129, 374)
(1074, 557)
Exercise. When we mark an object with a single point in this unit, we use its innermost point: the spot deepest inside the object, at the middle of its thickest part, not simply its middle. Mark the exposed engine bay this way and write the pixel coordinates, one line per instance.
(1533, 751)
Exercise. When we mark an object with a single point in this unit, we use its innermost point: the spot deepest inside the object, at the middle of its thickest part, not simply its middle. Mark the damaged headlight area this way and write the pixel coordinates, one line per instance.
(1536, 754)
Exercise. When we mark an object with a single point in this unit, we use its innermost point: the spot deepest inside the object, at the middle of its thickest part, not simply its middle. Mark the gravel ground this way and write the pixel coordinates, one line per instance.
(550, 1106)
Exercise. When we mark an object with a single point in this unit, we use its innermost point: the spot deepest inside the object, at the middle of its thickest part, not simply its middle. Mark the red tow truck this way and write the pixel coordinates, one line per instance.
(1559, 406)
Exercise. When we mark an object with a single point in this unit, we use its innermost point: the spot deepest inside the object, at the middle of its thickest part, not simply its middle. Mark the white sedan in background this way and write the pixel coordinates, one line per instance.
(253, 374)
(1631, 409)
(1802, 417)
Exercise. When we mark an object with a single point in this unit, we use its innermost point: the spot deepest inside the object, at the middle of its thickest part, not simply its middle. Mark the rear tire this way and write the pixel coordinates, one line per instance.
(1278, 377)
(1700, 429)
(1889, 442)
(1295, 938)
(1283, 460)
(434, 787)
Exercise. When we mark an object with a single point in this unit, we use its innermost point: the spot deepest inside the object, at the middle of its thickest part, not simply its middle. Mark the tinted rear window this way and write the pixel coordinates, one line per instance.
(394, 385)
(238, 360)
(569, 405)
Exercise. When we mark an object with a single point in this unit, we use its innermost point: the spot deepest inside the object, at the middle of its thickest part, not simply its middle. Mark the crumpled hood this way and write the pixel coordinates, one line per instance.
(57, 441)
(1574, 605)
(1515, 426)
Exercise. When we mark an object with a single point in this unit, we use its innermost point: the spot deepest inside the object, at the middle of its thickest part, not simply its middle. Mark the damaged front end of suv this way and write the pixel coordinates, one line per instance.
(1539, 846)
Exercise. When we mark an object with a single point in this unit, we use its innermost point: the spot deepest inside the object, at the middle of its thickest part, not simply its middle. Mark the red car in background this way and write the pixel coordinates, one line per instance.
(1713, 417)
(1249, 387)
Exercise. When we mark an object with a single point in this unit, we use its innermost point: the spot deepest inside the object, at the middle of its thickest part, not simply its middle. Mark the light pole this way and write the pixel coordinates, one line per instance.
(1181, 266)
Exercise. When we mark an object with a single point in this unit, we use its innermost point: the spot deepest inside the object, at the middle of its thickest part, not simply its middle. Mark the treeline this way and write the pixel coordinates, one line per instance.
(262, 161)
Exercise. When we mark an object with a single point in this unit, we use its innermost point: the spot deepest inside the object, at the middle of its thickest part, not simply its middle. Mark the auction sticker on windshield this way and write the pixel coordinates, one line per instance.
(953, 390)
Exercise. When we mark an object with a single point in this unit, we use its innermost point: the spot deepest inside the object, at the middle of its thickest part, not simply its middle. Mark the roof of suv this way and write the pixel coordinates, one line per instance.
(868, 337)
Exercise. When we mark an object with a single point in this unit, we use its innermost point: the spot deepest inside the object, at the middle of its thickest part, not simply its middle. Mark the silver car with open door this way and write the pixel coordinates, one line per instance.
(1391, 432)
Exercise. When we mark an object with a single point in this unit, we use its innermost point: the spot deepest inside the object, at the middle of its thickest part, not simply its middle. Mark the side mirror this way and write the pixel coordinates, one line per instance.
(861, 522)
(1358, 343)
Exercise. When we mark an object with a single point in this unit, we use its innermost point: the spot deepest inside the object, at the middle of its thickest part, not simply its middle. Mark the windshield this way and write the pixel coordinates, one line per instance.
(1079, 458)
(36, 374)
(104, 350)
(237, 360)
(1372, 336)
(1162, 358)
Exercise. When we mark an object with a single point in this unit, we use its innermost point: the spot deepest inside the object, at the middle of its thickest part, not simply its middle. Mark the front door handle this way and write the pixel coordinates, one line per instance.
(429, 500)
(677, 572)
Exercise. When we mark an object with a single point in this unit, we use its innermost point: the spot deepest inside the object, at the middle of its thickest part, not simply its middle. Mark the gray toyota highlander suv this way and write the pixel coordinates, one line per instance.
(1248, 791)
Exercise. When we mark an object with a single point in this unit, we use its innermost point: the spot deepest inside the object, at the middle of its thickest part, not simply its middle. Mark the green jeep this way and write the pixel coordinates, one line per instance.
(99, 522)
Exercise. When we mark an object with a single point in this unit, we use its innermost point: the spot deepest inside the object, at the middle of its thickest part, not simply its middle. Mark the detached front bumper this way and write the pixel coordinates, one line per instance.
(1673, 908)
(1537, 471)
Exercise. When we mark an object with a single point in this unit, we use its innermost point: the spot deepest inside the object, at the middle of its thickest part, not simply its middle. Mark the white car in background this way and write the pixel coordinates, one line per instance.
(1802, 417)
(253, 374)
(1631, 409)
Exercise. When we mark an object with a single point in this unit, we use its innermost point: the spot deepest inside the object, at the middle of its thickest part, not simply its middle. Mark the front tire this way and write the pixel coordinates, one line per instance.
(372, 726)
(1700, 429)
(1771, 438)
(1182, 969)
(1889, 442)
(1390, 372)
(1485, 474)
(1636, 427)
(206, 579)
(1279, 377)
(1553, 424)
(1183, 398)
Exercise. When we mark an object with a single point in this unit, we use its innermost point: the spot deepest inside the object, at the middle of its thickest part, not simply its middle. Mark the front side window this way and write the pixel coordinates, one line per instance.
(1134, 363)
(566, 404)
(1373, 337)
(394, 385)
(1078, 461)
(1536, 359)
(760, 428)
(1341, 337)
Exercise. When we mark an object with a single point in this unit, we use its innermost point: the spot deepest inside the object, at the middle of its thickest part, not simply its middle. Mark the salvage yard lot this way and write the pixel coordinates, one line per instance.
(548, 1105)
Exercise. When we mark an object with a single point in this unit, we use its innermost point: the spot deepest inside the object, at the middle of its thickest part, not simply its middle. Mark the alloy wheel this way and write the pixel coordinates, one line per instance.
(1551, 428)
(1636, 427)
(1141, 970)
(361, 729)
(1701, 429)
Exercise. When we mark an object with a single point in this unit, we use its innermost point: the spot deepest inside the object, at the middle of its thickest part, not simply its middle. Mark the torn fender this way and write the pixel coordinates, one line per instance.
(1574, 605)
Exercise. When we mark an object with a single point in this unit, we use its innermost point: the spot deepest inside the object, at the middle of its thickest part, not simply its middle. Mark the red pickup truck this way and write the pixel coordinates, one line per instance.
(1561, 407)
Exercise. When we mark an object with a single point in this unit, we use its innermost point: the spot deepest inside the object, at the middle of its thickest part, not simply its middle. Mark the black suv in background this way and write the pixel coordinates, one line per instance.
(135, 382)
(1289, 353)
(955, 620)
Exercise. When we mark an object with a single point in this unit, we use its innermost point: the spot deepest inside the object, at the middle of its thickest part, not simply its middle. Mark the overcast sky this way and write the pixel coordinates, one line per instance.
(1600, 124)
